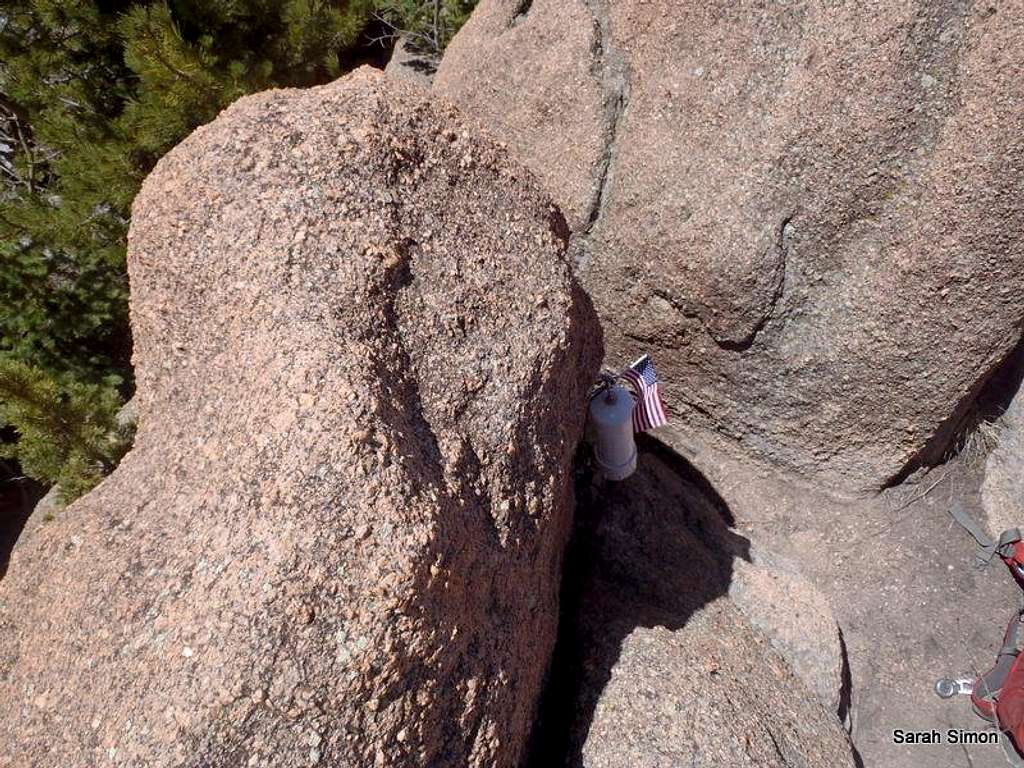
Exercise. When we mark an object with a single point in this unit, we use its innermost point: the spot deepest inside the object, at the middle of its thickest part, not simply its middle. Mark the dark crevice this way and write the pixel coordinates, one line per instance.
(986, 402)
(775, 745)
(615, 76)
(845, 711)
(559, 227)
(550, 740)
(521, 12)
(617, 108)
(649, 551)
(18, 497)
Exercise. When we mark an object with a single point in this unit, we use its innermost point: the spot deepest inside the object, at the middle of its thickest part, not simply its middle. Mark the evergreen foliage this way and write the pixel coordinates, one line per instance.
(68, 435)
(66, 189)
(428, 25)
(92, 93)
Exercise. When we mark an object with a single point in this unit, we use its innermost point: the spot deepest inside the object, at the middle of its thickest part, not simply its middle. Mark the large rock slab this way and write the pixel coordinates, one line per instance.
(776, 598)
(709, 694)
(807, 212)
(536, 79)
(663, 660)
(1002, 491)
(361, 363)
(407, 64)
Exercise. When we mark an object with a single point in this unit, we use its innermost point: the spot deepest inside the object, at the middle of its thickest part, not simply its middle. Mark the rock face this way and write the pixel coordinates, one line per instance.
(659, 661)
(709, 694)
(774, 597)
(1002, 491)
(361, 363)
(808, 213)
(406, 64)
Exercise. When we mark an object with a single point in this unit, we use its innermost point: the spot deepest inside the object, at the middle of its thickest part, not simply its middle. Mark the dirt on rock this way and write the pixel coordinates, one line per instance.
(900, 576)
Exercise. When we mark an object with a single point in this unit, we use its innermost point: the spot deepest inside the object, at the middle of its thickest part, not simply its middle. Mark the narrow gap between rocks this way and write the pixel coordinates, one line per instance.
(985, 404)
(846, 713)
(649, 551)
(522, 11)
(615, 78)
(18, 497)
(374, 47)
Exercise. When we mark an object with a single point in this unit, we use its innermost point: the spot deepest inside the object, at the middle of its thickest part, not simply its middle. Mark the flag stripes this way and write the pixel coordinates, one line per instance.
(649, 412)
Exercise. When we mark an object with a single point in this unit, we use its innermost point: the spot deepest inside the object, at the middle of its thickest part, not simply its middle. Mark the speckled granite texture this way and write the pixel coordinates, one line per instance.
(361, 363)
(809, 213)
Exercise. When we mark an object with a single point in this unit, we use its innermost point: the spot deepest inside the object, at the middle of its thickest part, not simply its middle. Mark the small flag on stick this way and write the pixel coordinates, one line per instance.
(649, 411)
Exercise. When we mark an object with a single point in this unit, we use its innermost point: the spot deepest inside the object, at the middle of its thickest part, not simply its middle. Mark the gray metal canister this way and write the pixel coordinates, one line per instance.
(611, 423)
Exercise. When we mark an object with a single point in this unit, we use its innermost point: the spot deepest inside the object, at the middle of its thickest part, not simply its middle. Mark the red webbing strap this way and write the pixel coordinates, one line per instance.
(1010, 713)
(1014, 560)
(988, 686)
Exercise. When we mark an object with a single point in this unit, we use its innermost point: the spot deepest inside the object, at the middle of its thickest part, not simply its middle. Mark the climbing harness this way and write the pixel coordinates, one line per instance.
(998, 695)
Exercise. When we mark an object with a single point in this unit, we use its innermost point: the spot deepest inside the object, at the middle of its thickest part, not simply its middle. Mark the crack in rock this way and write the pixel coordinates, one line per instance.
(781, 247)
(615, 75)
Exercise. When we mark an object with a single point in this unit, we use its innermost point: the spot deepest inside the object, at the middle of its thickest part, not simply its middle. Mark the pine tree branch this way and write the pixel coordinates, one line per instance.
(157, 53)
(12, 114)
(48, 415)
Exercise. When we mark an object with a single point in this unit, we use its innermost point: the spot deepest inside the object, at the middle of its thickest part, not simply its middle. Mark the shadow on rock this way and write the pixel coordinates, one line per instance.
(647, 552)
(18, 497)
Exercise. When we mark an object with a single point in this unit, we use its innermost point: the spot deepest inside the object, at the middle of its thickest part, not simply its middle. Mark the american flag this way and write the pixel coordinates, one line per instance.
(649, 411)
